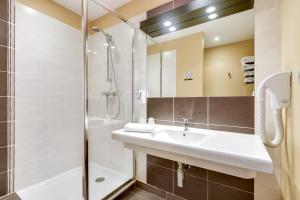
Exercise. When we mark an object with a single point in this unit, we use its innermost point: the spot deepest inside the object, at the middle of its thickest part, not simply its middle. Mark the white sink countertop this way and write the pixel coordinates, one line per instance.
(227, 148)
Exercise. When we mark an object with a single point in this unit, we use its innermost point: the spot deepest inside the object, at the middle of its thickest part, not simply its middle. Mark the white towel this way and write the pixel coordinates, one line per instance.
(247, 67)
(249, 73)
(249, 80)
(143, 128)
(248, 60)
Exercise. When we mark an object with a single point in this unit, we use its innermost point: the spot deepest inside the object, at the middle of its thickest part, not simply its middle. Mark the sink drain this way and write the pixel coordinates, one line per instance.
(100, 179)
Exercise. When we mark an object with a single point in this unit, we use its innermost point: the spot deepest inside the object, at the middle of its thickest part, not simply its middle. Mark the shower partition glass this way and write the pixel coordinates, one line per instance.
(110, 103)
(49, 114)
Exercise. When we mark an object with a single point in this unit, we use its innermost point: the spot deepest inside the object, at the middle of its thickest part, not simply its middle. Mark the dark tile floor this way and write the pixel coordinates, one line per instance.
(13, 196)
(138, 194)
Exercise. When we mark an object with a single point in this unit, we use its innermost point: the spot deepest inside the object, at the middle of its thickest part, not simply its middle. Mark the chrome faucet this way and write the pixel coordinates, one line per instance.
(186, 123)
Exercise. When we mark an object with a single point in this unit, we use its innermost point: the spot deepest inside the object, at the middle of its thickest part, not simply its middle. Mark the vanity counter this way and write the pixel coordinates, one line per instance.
(236, 154)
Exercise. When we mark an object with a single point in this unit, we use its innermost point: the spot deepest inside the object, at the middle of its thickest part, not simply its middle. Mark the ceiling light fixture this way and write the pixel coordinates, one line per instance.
(30, 10)
(213, 16)
(210, 9)
(217, 39)
(172, 29)
(167, 23)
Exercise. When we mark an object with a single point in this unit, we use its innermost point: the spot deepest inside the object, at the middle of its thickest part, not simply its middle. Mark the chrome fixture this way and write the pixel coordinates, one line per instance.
(100, 180)
(85, 164)
(109, 41)
(84, 17)
(111, 73)
(180, 175)
(186, 124)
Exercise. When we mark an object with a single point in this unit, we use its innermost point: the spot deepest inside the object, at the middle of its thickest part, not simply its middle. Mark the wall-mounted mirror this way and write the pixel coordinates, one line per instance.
(212, 57)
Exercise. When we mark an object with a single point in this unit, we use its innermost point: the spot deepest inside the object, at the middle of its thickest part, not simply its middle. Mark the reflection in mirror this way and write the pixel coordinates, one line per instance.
(207, 59)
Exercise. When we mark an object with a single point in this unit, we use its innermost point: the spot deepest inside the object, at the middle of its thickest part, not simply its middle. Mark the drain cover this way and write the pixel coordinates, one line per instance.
(100, 179)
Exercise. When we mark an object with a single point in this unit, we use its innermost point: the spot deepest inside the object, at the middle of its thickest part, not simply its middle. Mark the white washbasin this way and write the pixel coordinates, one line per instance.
(236, 154)
(180, 137)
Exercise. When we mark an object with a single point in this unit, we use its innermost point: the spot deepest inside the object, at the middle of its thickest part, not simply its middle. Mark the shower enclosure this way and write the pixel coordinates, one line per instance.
(75, 82)
(110, 103)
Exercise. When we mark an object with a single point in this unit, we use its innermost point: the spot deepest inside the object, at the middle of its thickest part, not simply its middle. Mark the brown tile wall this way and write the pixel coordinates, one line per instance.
(199, 183)
(234, 114)
(6, 69)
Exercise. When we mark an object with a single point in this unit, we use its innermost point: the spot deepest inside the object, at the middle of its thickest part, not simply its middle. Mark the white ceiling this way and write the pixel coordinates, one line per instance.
(95, 11)
(230, 29)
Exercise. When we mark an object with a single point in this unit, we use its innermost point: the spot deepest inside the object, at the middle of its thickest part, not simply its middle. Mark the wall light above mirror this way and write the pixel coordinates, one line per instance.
(201, 55)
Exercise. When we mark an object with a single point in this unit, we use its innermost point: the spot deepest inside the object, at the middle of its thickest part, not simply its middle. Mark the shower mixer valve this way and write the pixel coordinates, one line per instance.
(108, 93)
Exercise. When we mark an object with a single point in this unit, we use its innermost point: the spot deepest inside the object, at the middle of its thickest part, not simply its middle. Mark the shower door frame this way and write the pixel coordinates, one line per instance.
(85, 167)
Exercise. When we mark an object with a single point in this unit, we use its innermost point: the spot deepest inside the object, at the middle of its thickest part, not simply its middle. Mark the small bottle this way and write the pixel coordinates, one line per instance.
(151, 121)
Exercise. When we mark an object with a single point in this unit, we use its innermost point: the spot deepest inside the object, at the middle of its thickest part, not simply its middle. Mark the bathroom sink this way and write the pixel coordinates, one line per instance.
(231, 153)
(180, 137)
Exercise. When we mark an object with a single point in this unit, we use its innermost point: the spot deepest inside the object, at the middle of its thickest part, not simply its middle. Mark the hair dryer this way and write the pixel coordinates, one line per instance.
(279, 87)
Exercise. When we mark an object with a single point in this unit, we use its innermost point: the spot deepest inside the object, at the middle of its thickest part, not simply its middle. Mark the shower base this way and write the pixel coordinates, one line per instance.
(68, 186)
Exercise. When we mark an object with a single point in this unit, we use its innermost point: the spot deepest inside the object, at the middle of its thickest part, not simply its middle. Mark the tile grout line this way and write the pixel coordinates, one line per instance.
(18, 74)
(159, 166)
(152, 186)
(176, 196)
(3, 46)
(207, 112)
(151, 193)
(7, 171)
(173, 170)
(224, 125)
(234, 188)
(173, 179)
(173, 111)
(203, 179)
(10, 23)
(207, 186)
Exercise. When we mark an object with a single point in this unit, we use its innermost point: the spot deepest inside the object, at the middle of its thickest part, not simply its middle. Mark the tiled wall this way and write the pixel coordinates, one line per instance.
(234, 114)
(199, 184)
(123, 65)
(48, 102)
(268, 24)
(6, 77)
(100, 144)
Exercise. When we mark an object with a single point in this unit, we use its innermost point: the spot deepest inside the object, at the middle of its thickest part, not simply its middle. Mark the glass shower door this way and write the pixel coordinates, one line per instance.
(109, 101)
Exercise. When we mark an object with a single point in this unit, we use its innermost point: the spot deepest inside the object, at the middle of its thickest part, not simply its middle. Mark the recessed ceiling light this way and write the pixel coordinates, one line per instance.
(30, 10)
(210, 9)
(105, 44)
(172, 28)
(167, 23)
(213, 16)
(216, 39)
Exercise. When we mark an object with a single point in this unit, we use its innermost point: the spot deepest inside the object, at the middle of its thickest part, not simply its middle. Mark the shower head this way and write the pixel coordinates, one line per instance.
(109, 40)
(97, 30)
